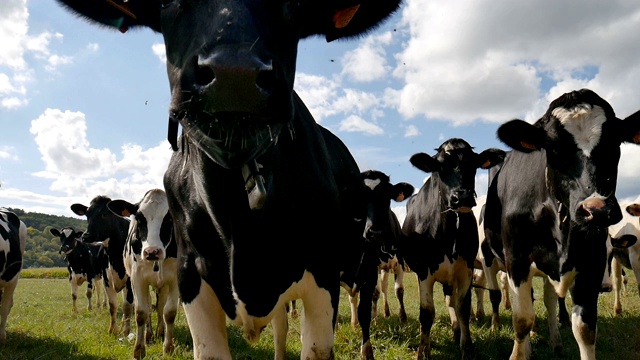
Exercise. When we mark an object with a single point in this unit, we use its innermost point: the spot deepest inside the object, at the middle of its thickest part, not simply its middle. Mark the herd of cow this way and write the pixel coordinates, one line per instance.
(250, 150)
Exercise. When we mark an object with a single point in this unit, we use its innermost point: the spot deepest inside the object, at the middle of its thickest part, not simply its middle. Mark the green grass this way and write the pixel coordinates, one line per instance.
(42, 326)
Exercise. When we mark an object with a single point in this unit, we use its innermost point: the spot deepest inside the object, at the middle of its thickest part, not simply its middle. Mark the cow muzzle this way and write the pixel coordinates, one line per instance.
(462, 200)
(153, 253)
(598, 211)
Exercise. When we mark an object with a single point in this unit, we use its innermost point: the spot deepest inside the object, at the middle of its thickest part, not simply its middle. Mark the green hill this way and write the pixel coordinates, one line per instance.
(42, 249)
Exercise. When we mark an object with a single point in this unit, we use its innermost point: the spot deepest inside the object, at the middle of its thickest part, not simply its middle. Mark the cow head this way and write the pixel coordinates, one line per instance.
(382, 226)
(581, 136)
(101, 222)
(453, 169)
(231, 63)
(69, 238)
(151, 227)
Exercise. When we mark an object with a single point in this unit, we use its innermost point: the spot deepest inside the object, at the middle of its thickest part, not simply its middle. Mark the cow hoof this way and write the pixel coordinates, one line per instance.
(366, 351)
(403, 317)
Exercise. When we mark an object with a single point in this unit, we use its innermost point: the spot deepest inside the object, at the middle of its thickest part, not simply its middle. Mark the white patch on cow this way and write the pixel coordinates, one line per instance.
(67, 232)
(154, 206)
(448, 148)
(372, 183)
(4, 246)
(566, 280)
(584, 123)
(317, 332)
(578, 327)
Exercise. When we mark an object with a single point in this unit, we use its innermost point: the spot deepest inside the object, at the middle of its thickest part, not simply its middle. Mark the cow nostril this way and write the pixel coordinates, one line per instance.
(265, 79)
(455, 200)
(585, 213)
(204, 75)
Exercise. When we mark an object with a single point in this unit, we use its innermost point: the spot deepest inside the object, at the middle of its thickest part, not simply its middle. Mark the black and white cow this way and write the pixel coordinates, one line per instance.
(85, 262)
(150, 258)
(568, 158)
(249, 151)
(441, 233)
(106, 227)
(381, 236)
(13, 237)
(624, 247)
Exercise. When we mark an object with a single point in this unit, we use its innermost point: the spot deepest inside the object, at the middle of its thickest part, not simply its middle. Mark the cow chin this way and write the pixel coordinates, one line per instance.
(232, 140)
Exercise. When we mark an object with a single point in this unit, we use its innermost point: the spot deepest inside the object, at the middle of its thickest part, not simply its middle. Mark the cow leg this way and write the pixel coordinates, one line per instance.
(113, 309)
(551, 303)
(504, 288)
(523, 316)
(97, 284)
(426, 317)
(460, 307)
(127, 306)
(367, 292)
(384, 290)
(353, 304)
(161, 302)
(399, 289)
(479, 279)
(616, 279)
(167, 305)
(563, 314)
(280, 325)
(495, 295)
(207, 324)
(6, 303)
(89, 293)
(142, 310)
(585, 315)
(73, 281)
(320, 307)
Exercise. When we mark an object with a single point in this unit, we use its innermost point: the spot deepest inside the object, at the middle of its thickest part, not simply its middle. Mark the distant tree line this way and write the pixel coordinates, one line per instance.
(42, 249)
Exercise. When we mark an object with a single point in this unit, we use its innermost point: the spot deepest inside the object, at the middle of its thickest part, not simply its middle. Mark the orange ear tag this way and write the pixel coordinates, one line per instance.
(342, 17)
(636, 138)
(400, 197)
(527, 145)
(486, 164)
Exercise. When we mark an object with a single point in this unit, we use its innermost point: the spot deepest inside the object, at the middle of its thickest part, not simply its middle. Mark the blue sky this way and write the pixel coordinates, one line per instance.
(84, 109)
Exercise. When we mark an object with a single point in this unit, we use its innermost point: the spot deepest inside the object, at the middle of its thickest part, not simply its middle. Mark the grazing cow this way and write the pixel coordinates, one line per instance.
(13, 237)
(441, 233)
(106, 227)
(625, 249)
(567, 158)
(249, 150)
(381, 236)
(85, 262)
(150, 258)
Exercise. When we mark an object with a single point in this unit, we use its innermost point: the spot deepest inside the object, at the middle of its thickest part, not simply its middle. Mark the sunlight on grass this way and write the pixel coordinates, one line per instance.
(42, 326)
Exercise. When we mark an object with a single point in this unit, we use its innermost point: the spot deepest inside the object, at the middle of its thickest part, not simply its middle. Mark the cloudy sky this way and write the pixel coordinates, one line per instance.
(84, 110)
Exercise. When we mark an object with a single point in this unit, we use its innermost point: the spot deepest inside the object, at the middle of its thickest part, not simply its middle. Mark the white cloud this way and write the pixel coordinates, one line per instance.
(160, 51)
(411, 131)
(357, 124)
(367, 62)
(76, 168)
(460, 66)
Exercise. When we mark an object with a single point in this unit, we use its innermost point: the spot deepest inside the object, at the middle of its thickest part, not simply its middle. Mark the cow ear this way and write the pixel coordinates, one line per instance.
(54, 232)
(633, 209)
(122, 208)
(490, 157)
(117, 14)
(79, 209)
(401, 191)
(624, 242)
(424, 162)
(522, 136)
(630, 129)
(355, 17)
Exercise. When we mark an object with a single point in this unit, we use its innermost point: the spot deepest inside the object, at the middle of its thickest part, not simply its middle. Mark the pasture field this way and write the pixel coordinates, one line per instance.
(42, 326)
